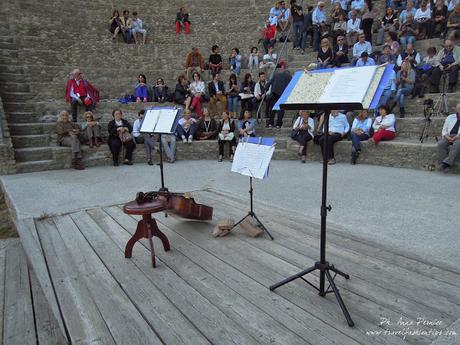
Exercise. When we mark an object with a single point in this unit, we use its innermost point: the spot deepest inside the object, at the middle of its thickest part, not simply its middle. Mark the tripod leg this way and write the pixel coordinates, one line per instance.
(263, 226)
(241, 220)
(291, 278)
(339, 299)
(339, 272)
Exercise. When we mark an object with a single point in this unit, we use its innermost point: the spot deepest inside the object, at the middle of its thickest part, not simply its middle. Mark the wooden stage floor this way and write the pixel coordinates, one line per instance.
(210, 290)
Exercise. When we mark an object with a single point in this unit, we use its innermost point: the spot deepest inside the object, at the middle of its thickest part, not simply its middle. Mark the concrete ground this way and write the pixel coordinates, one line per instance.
(414, 212)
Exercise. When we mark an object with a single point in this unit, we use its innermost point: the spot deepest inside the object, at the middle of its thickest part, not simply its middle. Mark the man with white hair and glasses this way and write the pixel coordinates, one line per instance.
(449, 145)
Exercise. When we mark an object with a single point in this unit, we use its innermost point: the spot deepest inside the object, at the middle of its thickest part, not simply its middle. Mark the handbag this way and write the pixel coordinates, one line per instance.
(229, 136)
(125, 137)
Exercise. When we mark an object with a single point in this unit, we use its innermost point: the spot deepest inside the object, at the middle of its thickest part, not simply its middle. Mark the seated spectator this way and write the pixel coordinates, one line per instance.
(343, 4)
(198, 94)
(405, 80)
(268, 36)
(409, 54)
(353, 28)
(341, 52)
(92, 128)
(388, 24)
(182, 93)
(232, 91)
(234, 61)
(253, 58)
(453, 24)
(336, 12)
(79, 91)
(207, 127)
(384, 126)
(449, 145)
(439, 18)
(275, 13)
(194, 63)
(260, 91)
(448, 60)
(392, 41)
(120, 136)
(115, 24)
(302, 132)
(338, 130)
(367, 19)
(216, 91)
(215, 61)
(68, 135)
(277, 85)
(357, 5)
(423, 72)
(160, 91)
(423, 19)
(308, 23)
(247, 93)
(298, 22)
(409, 31)
(182, 21)
(397, 5)
(226, 134)
(143, 138)
(339, 28)
(360, 131)
(126, 25)
(186, 128)
(387, 57)
(324, 57)
(359, 47)
(246, 126)
(451, 5)
(284, 21)
(141, 89)
(269, 59)
(319, 24)
(410, 9)
(365, 60)
(137, 27)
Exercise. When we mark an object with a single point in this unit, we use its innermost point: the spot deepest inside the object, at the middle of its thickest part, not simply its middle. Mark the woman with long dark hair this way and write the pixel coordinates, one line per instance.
(115, 24)
(247, 93)
(232, 90)
(141, 89)
(367, 19)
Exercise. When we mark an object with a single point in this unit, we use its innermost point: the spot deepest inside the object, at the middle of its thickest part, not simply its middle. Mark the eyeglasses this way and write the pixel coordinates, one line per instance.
(339, 39)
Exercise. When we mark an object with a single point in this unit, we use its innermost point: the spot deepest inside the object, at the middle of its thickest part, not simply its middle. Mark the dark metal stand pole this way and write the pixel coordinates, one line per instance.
(163, 188)
(251, 213)
(323, 266)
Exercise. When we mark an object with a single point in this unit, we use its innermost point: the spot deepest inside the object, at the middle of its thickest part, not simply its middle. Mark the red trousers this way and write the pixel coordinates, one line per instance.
(383, 134)
(196, 104)
(186, 27)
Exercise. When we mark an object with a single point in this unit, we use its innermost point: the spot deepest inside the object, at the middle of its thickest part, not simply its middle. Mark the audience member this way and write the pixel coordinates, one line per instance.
(298, 21)
(160, 91)
(453, 24)
(357, 5)
(319, 24)
(302, 132)
(79, 91)
(215, 60)
(126, 25)
(194, 63)
(143, 138)
(186, 128)
(68, 135)
(182, 94)
(226, 134)
(275, 14)
(182, 21)
(410, 9)
(409, 31)
(269, 60)
(423, 19)
(423, 72)
(246, 125)
(448, 60)
(324, 56)
(411, 55)
(449, 145)
(232, 91)
(260, 91)
(405, 80)
(115, 24)
(439, 18)
(353, 28)
(253, 61)
(235, 61)
(197, 91)
(277, 84)
(451, 5)
(207, 127)
(339, 27)
(92, 128)
(384, 126)
(336, 12)
(120, 136)
(359, 47)
(360, 131)
(268, 36)
(284, 21)
(343, 4)
(388, 91)
(216, 91)
(367, 19)
(308, 23)
(247, 93)
(386, 56)
(168, 142)
(341, 52)
(388, 24)
(338, 130)
(365, 60)
(141, 89)
(392, 41)
(137, 27)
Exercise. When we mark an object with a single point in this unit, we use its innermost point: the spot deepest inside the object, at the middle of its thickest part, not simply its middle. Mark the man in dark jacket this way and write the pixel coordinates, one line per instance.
(216, 94)
(278, 83)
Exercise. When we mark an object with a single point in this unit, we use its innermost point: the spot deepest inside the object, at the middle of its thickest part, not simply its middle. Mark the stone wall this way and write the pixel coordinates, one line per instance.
(7, 228)
(7, 161)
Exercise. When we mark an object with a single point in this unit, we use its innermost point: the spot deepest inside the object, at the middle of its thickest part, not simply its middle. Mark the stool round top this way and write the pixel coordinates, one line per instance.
(133, 207)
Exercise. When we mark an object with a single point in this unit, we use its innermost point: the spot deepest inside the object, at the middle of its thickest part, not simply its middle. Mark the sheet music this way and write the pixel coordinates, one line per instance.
(150, 121)
(348, 85)
(252, 159)
(166, 120)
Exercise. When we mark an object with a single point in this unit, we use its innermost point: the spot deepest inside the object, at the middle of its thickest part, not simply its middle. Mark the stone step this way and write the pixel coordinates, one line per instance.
(33, 153)
(32, 128)
(15, 96)
(32, 140)
(21, 117)
(33, 166)
(12, 77)
(13, 86)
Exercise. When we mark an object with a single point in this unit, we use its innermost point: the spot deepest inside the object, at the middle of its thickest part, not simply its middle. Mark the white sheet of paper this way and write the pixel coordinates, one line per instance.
(150, 121)
(348, 85)
(166, 120)
(252, 159)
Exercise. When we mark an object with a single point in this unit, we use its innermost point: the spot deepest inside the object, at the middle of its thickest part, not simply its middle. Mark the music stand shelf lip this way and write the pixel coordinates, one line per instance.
(322, 106)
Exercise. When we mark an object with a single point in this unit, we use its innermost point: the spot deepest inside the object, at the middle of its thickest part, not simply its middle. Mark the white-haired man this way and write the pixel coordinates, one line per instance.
(449, 145)
(80, 92)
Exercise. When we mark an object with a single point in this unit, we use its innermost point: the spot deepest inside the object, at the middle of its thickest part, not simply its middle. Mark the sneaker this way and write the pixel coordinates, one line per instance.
(354, 157)
(150, 162)
(184, 140)
(231, 158)
(331, 161)
(303, 159)
(190, 139)
(302, 52)
(220, 158)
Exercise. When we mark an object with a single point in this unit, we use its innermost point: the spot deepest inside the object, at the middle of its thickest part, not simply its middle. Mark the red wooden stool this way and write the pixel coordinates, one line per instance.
(147, 227)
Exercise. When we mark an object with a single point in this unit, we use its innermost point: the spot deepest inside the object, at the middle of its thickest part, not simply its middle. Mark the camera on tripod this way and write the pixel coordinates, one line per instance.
(428, 108)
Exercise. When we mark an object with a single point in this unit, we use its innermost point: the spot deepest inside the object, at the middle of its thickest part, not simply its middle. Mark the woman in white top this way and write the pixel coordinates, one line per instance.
(302, 132)
(384, 125)
(197, 89)
(226, 135)
(423, 18)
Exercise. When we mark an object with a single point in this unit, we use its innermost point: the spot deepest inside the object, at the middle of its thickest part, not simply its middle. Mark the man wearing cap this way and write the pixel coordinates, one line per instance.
(365, 60)
(80, 92)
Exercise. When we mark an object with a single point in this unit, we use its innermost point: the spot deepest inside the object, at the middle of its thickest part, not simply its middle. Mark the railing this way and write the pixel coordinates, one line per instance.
(2, 118)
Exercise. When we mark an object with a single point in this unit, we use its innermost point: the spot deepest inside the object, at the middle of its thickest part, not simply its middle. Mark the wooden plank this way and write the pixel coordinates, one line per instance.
(251, 281)
(48, 330)
(125, 322)
(214, 324)
(249, 317)
(32, 247)
(84, 321)
(18, 325)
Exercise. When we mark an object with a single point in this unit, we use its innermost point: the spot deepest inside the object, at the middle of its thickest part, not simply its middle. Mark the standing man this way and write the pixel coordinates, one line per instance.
(80, 92)
(300, 33)
(260, 92)
(278, 83)
(449, 145)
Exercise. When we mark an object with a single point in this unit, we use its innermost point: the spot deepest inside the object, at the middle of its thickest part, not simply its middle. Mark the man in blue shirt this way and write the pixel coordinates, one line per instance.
(319, 23)
(365, 60)
(361, 46)
(338, 130)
